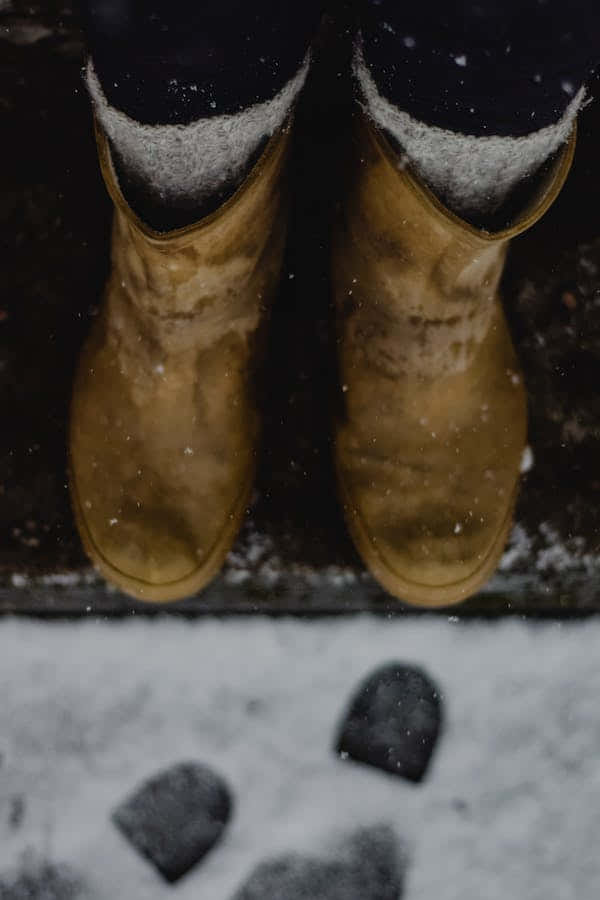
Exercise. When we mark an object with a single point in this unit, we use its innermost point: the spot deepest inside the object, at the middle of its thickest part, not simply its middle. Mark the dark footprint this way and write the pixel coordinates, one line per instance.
(43, 881)
(176, 817)
(393, 722)
(370, 865)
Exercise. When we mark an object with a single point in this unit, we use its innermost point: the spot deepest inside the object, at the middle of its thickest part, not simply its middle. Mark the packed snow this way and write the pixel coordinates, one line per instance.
(510, 808)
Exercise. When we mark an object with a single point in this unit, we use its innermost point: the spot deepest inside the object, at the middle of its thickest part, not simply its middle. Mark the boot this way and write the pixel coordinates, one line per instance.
(432, 422)
(164, 421)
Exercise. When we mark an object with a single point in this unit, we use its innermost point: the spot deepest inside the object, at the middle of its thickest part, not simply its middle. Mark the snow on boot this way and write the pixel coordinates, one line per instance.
(432, 422)
(164, 421)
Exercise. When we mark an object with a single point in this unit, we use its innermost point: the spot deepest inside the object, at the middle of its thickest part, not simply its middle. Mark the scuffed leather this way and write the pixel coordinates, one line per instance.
(164, 420)
(432, 421)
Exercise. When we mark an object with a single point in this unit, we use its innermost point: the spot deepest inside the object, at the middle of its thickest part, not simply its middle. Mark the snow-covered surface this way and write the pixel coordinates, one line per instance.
(511, 807)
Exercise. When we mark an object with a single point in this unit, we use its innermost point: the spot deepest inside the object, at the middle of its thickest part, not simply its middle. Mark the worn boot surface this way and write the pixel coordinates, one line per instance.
(432, 422)
(164, 422)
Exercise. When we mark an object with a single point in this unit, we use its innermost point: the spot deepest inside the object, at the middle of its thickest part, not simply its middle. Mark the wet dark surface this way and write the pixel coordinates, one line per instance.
(293, 553)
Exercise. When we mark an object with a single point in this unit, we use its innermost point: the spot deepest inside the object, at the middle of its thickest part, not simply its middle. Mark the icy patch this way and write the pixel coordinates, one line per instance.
(62, 579)
(340, 576)
(574, 432)
(248, 554)
(527, 460)
(22, 33)
(519, 549)
(19, 580)
(255, 558)
(563, 556)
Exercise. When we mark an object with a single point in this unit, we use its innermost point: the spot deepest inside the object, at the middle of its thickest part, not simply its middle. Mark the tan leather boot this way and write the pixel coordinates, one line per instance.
(164, 424)
(433, 408)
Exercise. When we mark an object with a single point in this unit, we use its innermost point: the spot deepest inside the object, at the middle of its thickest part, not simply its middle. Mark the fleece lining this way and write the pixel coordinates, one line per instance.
(185, 165)
(473, 175)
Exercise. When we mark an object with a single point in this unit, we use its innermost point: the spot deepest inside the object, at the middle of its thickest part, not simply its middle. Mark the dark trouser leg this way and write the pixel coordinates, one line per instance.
(481, 68)
(229, 70)
(147, 53)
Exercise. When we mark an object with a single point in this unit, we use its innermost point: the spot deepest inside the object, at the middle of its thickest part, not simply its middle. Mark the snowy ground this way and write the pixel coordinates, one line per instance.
(511, 807)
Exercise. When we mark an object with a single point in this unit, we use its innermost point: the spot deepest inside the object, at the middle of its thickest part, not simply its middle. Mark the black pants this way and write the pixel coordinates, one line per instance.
(475, 66)
(505, 67)
(174, 61)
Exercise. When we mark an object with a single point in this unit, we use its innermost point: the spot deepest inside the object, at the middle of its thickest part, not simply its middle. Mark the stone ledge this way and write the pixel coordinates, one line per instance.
(554, 580)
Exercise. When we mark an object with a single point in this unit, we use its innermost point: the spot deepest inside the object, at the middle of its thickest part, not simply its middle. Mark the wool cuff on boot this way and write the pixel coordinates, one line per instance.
(473, 175)
(175, 173)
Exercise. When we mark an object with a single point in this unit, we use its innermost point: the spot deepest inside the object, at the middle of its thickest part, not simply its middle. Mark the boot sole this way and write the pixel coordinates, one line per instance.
(412, 592)
(170, 591)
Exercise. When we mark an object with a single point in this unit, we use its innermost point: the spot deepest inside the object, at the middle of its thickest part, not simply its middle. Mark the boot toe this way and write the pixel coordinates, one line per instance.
(427, 557)
(155, 555)
(440, 570)
(150, 555)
